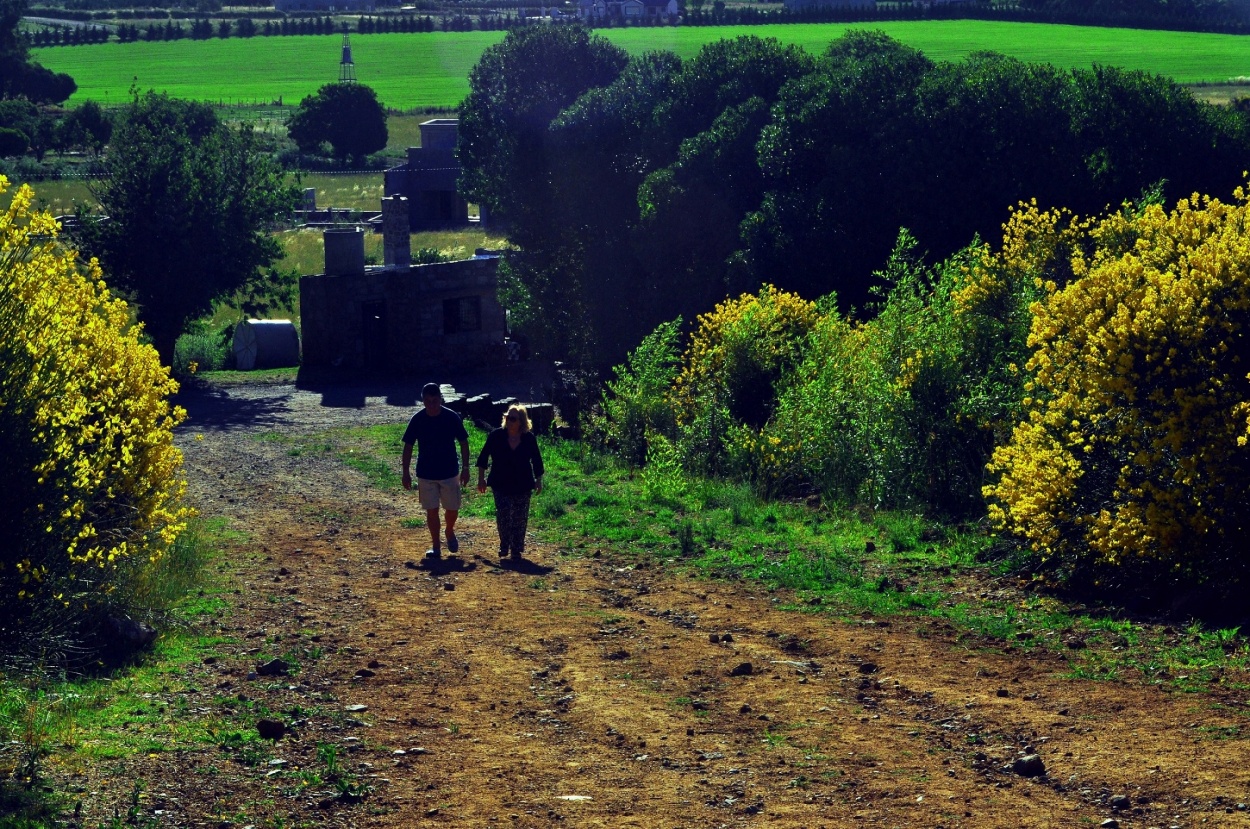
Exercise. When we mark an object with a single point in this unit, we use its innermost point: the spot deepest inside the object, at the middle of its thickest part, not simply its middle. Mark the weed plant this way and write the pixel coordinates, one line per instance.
(112, 716)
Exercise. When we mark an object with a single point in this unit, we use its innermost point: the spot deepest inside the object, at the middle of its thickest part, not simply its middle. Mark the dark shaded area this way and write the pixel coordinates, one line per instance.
(525, 567)
(211, 409)
(445, 565)
(348, 389)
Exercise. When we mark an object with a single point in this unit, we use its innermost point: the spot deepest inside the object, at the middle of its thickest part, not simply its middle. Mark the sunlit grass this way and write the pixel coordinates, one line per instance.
(305, 248)
(60, 198)
(432, 69)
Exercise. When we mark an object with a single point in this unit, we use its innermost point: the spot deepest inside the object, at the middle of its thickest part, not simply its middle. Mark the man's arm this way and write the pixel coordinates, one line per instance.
(464, 461)
(406, 459)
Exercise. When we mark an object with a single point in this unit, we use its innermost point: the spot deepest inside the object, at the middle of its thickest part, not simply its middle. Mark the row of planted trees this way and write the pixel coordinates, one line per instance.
(1086, 383)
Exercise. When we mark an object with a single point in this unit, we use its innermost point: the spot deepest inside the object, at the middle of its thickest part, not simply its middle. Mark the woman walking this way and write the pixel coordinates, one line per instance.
(516, 471)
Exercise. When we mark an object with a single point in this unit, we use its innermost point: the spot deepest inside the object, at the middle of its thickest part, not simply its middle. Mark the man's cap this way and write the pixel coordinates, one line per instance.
(431, 390)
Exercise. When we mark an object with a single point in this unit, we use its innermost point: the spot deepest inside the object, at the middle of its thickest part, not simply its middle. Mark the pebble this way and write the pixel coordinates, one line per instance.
(742, 669)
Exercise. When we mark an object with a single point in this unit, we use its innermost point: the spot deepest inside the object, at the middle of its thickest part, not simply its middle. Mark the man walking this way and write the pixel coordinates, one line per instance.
(436, 431)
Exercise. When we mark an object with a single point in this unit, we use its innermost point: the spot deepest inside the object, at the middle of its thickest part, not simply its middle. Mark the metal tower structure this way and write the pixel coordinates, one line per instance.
(347, 69)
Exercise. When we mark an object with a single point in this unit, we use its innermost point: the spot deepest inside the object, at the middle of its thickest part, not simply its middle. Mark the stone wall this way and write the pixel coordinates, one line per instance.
(402, 321)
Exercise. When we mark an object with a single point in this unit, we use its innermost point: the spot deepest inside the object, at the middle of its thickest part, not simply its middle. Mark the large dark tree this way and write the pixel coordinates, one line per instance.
(507, 165)
(515, 91)
(19, 76)
(188, 202)
(670, 185)
(347, 116)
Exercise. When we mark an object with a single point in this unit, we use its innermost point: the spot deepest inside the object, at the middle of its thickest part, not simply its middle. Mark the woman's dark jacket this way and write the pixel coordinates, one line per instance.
(512, 471)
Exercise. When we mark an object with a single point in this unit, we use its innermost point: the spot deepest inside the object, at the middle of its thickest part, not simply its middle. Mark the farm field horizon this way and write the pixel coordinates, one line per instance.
(431, 70)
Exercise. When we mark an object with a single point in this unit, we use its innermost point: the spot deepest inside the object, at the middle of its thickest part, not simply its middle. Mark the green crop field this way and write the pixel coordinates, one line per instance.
(431, 70)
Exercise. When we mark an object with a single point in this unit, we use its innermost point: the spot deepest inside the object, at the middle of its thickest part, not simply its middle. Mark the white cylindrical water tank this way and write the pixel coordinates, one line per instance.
(265, 344)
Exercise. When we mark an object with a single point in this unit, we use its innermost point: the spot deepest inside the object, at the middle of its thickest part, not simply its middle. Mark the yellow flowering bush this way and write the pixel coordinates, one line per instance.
(1132, 449)
(93, 490)
(732, 371)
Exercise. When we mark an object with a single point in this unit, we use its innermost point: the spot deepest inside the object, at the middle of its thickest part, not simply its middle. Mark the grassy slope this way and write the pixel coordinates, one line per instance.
(432, 69)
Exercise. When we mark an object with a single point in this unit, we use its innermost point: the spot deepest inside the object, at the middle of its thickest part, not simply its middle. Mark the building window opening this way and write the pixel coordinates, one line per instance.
(462, 314)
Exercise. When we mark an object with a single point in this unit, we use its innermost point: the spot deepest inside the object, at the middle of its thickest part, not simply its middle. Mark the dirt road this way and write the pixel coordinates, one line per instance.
(590, 692)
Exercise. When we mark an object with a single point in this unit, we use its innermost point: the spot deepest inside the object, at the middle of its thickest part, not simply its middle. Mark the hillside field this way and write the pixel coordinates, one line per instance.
(431, 70)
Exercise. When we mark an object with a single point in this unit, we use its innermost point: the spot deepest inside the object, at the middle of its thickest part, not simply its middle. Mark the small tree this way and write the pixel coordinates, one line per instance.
(189, 201)
(88, 126)
(347, 116)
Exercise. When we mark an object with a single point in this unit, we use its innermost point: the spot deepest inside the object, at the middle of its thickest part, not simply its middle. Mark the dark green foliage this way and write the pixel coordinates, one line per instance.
(669, 186)
(188, 201)
(347, 116)
(606, 149)
(12, 142)
(636, 405)
(87, 127)
(516, 90)
(19, 77)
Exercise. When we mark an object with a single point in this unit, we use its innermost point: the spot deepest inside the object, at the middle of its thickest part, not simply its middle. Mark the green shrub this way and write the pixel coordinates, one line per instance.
(200, 349)
(637, 404)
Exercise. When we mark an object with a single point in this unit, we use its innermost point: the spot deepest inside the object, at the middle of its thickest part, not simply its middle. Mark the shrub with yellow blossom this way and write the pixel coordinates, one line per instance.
(1132, 450)
(735, 365)
(93, 488)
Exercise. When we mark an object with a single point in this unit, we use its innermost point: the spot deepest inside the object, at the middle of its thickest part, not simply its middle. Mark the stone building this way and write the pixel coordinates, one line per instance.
(428, 178)
(400, 318)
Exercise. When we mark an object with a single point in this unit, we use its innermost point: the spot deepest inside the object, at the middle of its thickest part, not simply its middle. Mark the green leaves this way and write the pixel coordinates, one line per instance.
(189, 201)
(347, 116)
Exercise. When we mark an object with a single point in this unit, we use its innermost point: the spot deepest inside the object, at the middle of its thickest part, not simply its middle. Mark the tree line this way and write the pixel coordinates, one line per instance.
(204, 29)
(1197, 17)
(639, 189)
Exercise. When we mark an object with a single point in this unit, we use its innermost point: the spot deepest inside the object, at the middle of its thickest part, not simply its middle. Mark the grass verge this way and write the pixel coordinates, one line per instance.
(855, 565)
(53, 725)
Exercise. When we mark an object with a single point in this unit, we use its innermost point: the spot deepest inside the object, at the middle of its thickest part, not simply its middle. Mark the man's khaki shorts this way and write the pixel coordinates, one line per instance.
(444, 493)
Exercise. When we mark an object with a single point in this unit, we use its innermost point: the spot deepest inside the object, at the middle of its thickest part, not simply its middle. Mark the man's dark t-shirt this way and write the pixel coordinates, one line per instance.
(436, 439)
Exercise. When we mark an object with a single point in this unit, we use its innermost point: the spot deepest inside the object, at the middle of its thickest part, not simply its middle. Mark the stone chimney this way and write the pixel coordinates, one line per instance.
(396, 243)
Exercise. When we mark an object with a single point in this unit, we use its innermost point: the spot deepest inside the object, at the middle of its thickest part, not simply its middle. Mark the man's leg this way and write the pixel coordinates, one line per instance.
(450, 516)
(431, 521)
(450, 495)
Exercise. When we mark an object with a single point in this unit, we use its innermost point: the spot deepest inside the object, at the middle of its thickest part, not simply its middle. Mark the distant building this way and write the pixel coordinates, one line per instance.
(600, 10)
(400, 318)
(428, 179)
